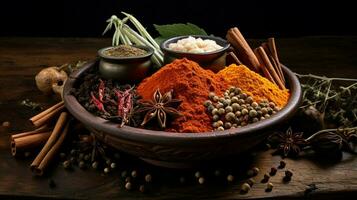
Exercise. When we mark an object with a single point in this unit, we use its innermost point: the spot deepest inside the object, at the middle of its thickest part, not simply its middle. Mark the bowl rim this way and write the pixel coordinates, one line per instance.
(165, 43)
(151, 136)
(149, 53)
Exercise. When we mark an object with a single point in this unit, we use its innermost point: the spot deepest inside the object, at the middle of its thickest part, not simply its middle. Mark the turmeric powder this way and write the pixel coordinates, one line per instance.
(254, 84)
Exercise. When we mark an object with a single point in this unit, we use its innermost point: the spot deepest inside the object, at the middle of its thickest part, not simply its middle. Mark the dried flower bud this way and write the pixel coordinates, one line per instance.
(326, 143)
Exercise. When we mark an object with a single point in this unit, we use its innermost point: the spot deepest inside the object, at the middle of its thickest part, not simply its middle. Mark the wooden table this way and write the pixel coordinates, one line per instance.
(22, 58)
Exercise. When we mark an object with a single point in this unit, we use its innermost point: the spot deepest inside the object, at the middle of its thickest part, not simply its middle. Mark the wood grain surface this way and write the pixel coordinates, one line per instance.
(22, 58)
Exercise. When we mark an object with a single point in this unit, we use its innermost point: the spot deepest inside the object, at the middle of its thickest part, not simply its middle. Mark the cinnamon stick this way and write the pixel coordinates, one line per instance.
(45, 116)
(272, 47)
(51, 141)
(245, 53)
(267, 64)
(272, 60)
(235, 58)
(263, 68)
(38, 130)
(38, 170)
(28, 142)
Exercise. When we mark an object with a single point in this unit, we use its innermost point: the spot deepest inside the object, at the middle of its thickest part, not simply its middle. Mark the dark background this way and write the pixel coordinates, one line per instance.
(83, 18)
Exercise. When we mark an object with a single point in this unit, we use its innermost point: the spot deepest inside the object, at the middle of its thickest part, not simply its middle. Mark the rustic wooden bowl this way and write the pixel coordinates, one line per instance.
(180, 149)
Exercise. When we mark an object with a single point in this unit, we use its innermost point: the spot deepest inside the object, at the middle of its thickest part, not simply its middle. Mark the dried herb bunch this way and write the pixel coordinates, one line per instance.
(108, 99)
(330, 102)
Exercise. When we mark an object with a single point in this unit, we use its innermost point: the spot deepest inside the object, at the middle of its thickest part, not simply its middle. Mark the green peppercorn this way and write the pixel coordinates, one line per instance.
(249, 99)
(271, 104)
(81, 165)
(270, 111)
(128, 186)
(220, 122)
(230, 116)
(229, 109)
(221, 99)
(234, 99)
(210, 108)
(238, 114)
(231, 94)
(230, 178)
(201, 180)
(95, 165)
(227, 125)
(211, 95)
(269, 187)
(215, 125)
(66, 164)
(220, 105)
(254, 104)
(253, 113)
(127, 179)
(266, 116)
(235, 106)
(227, 102)
(232, 89)
(227, 97)
(254, 120)
(245, 188)
(237, 91)
(215, 98)
(244, 111)
(207, 103)
(215, 111)
(220, 128)
(148, 178)
(215, 118)
(264, 111)
(226, 93)
(234, 125)
(113, 165)
(243, 96)
(259, 113)
(142, 188)
(134, 174)
(251, 182)
(221, 111)
(262, 118)
(241, 101)
(124, 174)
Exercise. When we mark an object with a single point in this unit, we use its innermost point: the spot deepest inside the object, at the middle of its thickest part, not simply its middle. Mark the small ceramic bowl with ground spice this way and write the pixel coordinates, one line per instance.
(127, 63)
(208, 51)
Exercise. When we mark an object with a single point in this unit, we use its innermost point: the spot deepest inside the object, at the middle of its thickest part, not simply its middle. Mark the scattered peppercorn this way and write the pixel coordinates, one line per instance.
(113, 165)
(230, 178)
(251, 182)
(282, 164)
(66, 164)
(6, 124)
(106, 170)
(81, 165)
(273, 171)
(128, 186)
(266, 178)
(269, 187)
(127, 179)
(253, 172)
(148, 178)
(198, 174)
(245, 188)
(95, 165)
(201, 180)
(142, 188)
(134, 173)
(124, 174)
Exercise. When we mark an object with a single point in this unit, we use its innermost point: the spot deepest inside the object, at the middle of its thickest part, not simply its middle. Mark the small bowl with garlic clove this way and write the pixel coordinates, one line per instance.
(208, 51)
(127, 63)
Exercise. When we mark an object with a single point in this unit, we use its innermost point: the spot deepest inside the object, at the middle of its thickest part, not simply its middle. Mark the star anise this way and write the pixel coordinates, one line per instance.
(159, 107)
(288, 143)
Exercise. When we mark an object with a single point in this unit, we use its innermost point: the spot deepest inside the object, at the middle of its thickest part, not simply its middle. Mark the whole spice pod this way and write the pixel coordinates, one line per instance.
(326, 143)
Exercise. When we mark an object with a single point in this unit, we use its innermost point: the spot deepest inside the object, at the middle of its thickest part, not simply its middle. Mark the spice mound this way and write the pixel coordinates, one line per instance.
(125, 51)
(254, 84)
(190, 84)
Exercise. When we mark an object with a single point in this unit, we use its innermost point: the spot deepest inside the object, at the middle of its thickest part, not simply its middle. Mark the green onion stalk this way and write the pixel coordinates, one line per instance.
(124, 34)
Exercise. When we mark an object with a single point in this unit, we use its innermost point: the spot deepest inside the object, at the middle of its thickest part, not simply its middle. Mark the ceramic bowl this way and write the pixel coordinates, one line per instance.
(180, 149)
(126, 69)
(215, 60)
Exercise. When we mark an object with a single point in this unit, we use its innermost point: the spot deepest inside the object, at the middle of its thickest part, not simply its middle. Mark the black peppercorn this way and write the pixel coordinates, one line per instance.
(266, 178)
(282, 164)
(288, 175)
(273, 171)
(251, 182)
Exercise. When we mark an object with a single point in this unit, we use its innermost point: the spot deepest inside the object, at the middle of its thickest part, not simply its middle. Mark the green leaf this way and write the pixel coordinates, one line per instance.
(172, 30)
